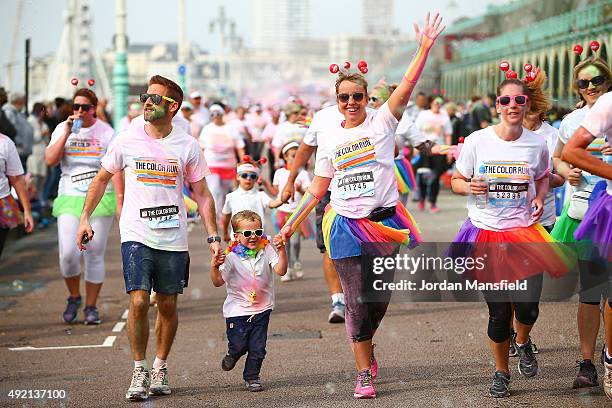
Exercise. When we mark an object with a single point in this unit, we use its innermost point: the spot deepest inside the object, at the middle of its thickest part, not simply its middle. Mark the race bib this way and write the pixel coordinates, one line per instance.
(508, 183)
(160, 217)
(356, 184)
(82, 181)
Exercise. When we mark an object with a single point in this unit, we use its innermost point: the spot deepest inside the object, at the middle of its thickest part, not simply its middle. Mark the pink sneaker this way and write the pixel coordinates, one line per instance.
(373, 364)
(421, 205)
(434, 209)
(363, 387)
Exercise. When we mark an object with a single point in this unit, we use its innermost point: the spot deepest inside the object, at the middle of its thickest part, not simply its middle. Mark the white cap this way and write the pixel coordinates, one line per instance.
(216, 109)
(289, 146)
(187, 105)
(195, 94)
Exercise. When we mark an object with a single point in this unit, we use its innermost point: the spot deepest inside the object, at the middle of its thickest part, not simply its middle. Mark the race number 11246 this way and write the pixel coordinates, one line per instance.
(37, 394)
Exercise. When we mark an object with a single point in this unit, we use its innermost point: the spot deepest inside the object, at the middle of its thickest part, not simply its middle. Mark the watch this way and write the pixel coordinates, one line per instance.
(212, 239)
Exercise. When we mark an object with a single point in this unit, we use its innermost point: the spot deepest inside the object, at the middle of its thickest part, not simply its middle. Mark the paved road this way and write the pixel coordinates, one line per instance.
(430, 354)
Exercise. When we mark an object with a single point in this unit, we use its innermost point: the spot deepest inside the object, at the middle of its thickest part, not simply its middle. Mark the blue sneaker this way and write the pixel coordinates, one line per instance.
(91, 315)
(72, 308)
(337, 313)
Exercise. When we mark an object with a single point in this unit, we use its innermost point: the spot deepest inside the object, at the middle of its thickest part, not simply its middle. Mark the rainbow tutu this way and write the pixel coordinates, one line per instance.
(344, 236)
(9, 212)
(404, 174)
(513, 254)
(596, 225)
(306, 228)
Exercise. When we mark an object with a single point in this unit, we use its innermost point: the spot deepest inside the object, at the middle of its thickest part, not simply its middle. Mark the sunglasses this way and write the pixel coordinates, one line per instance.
(155, 98)
(357, 97)
(596, 81)
(373, 99)
(520, 100)
(84, 106)
(247, 233)
(251, 176)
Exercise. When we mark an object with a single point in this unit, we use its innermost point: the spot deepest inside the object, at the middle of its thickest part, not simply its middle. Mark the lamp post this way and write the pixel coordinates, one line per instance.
(120, 71)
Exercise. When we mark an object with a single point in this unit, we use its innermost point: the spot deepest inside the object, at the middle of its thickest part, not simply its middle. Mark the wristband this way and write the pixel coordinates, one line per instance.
(418, 61)
(306, 205)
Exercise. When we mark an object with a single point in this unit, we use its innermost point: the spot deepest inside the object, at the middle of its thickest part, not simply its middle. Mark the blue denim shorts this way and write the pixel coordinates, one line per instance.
(145, 268)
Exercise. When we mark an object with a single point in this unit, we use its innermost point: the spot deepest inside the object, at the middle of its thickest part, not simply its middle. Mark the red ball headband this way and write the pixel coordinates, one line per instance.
(594, 46)
(531, 72)
(247, 159)
(75, 81)
(362, 66)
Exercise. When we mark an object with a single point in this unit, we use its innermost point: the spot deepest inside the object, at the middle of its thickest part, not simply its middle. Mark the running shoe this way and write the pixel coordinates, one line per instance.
(363, 386)
(72, 308)
(373, 363)
(534, 347)
(297, 269)
(587, 375)
(512, 350)
(421, 205)
(434, 209)
(288, 276)
(139, 388)
(607, 382)
(228, 362)
(91, 315)
(527, 365)
(159, 381)
(254, 385)
(501, 385)
(337, 313)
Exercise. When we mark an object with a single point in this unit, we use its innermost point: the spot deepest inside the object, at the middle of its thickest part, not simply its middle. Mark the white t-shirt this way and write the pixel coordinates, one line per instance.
(240, 200)
(243, 276)
(220, 144)
(326, 118)
(434, 126)
(155, 171)
(599, 122)
(280, 180)
(82, 155)
(10, 164)
(360, 161)
(568, 127)
(288, 132)
(550, 134)
(512, 168)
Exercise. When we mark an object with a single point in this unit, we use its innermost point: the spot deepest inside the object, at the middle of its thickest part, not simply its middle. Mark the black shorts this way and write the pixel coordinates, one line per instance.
(319, 212)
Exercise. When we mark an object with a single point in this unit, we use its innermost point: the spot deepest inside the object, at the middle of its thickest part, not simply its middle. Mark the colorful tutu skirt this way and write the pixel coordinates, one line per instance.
(511, 255)
(10, 215)
(563, 231)
(73, 205)
(404, 174)
(344, 237)
(596, 225)
(306, 228)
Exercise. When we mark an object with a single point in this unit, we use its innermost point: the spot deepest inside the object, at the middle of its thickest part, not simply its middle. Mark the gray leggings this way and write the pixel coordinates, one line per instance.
(361, 318)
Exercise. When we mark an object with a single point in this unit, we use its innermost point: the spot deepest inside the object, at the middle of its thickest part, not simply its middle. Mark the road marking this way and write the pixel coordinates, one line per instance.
(125, 314)
(118, 327)
(108, 342)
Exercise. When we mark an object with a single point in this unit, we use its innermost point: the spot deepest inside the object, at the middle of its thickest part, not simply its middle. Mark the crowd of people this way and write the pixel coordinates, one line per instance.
(236, 168)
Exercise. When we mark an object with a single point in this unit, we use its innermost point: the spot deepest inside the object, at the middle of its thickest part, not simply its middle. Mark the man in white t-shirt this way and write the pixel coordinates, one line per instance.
(157, 158)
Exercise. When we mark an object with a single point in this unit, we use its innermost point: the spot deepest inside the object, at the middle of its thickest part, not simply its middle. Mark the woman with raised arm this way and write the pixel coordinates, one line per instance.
(356, 158)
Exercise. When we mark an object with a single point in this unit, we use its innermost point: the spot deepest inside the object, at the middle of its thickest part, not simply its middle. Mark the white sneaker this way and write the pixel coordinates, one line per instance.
(288, 276)
(139, 388)
(607, 381)
(159, 381)
(297, 268)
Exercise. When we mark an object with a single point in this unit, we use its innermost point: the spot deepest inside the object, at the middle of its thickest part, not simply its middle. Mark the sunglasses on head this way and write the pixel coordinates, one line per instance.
(247, 233)
(246, 176)
(357, 97)
(84, 106)
(155, 98)
(520, 100)
(596, 81)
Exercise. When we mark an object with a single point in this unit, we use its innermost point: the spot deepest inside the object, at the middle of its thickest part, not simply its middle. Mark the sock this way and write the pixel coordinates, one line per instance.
(158, 362)
(338, 298)
(519, 344)
(608, 358)
(140, 363)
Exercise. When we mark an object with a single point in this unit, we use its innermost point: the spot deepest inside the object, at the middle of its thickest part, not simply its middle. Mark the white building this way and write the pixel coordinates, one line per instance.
(377, 17)
(279, 24)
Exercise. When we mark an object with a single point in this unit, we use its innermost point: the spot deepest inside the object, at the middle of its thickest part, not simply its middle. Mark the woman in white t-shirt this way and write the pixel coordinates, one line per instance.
(79, 152)
(11, 174)
(357, 160)
(292, 130)
(221, 142)
(435, 124)
(503, 231)
(592, 78)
